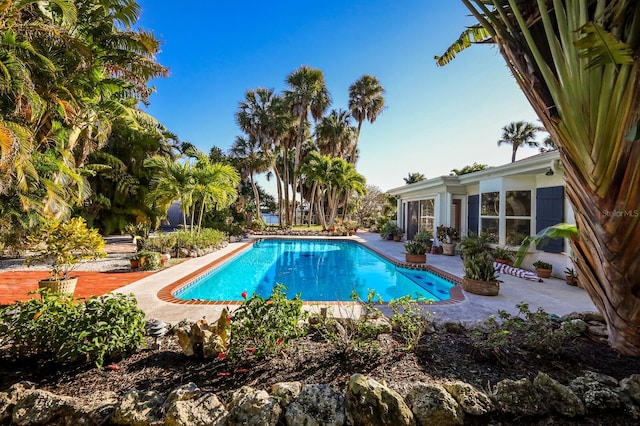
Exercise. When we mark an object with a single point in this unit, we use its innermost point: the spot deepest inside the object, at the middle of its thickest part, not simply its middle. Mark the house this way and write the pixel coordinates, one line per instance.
(507, 202)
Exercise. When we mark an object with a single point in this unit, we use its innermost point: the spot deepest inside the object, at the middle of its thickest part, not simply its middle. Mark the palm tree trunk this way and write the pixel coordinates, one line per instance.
(256, 196)
(608, 250)
(513, 153)
(313, 194)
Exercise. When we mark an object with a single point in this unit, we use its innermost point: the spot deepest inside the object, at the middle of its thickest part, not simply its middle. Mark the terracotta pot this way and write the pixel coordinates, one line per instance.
(571, 280)
(164, 258)
(504, 261)
(135, 263)
(543, 273)
(397, 238)
(483, 288)
(448, 249)
(67, 286)
(415, 258)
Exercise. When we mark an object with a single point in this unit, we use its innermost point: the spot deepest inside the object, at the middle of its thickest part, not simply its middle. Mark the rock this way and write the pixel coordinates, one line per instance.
(371, 403)
(38, 407)
(97, 408)
(560, 398)
(579, 325)
(471, 400)
(250, 406)
(631, 386)
(316, 405)
(202, 339)
(139, 408)
(380, 325)
(597, 391)
(204, 410)
(8, 399)
(286, 392)
(519, 398)
(432, 405)
(597, 330)
(183, 393)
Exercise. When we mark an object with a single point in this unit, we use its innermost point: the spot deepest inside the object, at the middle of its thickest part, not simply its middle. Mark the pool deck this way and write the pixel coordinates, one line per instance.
(553, 295)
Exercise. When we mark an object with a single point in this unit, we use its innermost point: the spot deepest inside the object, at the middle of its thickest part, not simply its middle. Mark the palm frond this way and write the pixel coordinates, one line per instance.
(475, 34)
(601, 48)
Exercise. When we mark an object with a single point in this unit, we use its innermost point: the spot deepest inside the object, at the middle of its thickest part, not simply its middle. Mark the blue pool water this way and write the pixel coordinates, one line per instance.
(319, 270)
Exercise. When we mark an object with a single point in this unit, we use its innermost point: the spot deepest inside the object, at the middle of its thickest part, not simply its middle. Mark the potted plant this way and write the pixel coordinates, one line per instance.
(571, 276)
(480, 275)
(416, 252)
(502, 255)
(64, 245)
(424, 237)
(388, 231)
(447, 237)
(397, 234)
(543, 269)
(134, 260)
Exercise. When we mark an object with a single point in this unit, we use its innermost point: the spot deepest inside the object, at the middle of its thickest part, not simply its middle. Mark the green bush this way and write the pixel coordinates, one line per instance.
(537, 332)
(265, 326)
(410, 319)
(98, 329)
(205, 238)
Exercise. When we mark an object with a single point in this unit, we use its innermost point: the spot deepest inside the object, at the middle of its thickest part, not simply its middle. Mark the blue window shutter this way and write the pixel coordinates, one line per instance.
(550, 211)
(473, 213)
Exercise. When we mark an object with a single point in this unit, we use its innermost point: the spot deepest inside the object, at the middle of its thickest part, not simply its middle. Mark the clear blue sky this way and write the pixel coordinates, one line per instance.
(436, 119)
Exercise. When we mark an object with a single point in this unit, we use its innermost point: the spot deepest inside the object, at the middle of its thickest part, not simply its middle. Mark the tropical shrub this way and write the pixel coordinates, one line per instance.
(537, 332)
(410, 319)
(416, 247)
(67, 329)
(265, 326)
(206, 238)
(474, 244)
(479, 267)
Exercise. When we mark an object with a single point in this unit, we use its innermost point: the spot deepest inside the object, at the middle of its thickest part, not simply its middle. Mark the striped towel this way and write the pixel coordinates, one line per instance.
(516, 272)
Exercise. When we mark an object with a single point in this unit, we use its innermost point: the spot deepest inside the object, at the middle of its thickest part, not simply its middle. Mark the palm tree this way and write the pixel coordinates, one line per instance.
(366, 102)
(252, 160)
(517, 134)
(413, 178)
(307, 94)
(335, 135)
(578, 65)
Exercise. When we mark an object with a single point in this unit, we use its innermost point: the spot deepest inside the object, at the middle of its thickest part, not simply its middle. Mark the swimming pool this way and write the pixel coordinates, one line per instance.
(320, 270)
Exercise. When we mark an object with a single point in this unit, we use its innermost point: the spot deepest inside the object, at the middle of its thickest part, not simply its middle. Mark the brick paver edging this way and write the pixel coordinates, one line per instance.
(166, 294)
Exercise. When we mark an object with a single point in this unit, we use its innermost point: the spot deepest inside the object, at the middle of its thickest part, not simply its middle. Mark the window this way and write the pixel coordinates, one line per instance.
(489, 212)
(518, 216)
(426, 215)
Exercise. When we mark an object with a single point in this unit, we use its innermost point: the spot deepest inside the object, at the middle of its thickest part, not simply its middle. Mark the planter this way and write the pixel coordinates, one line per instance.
(543, 273)
(135, 263)
(397, 238)
(436, 250)
(483, 288)
(164, 258)
(448, 249)
(415, 258)
(503, 261)
(67, 286)
(571, 280)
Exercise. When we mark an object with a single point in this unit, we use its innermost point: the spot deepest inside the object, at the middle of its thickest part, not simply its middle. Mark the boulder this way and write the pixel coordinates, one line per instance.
(39, 407)
(204, 410)
(578, 324)
(8, 399)
(471, 400)
(139, 408)
(286, 392)
(251, 406)
(597, 391)
(631, 386)
(316, 405)
(560, 398)
(432, 405)
(519, 398)
(369, 402)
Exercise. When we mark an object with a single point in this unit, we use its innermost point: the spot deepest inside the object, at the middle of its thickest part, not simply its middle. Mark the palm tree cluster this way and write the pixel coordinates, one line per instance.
(311, 153)
(71, 71)
(200, 186)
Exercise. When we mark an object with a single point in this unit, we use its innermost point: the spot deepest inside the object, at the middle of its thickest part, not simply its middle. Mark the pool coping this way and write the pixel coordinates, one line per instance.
(166, 294)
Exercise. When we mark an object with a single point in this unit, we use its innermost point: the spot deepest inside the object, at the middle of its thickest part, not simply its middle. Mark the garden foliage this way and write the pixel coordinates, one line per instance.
(68, 329)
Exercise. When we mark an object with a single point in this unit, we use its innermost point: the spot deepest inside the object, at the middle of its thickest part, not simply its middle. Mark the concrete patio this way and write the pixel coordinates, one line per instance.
(553, 295)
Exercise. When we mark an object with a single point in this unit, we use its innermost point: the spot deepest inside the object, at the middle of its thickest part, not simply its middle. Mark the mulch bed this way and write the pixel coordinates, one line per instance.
(441, 356)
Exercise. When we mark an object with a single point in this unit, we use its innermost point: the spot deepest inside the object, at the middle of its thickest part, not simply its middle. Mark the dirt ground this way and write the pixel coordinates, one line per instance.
(440, 356)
